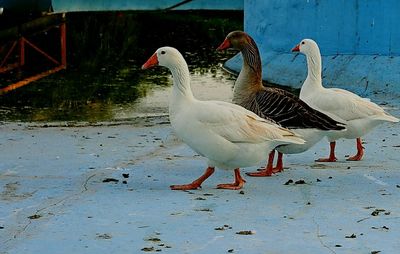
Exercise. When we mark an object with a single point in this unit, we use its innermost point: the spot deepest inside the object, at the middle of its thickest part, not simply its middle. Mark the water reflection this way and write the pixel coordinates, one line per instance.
(104, 82)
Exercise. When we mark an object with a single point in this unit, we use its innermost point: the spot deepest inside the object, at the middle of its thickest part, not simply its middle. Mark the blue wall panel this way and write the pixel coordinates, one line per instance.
(341, 26)
(107, 5)
(359, 41)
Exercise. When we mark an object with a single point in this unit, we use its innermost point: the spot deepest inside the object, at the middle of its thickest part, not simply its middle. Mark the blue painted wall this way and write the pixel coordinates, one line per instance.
(106, 5)
(359, 41)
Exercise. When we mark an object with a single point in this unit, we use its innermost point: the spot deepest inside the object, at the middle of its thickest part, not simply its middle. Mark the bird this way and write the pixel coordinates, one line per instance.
(274, 104)
(228, 135)
(359, 114)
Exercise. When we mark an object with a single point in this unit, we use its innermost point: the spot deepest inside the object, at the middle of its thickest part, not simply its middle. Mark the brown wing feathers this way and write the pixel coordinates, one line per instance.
(291, 112)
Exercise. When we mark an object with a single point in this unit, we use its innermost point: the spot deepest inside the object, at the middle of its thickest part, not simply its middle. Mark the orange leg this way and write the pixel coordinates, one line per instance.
(238, 184)
(196, 183)
(332, 157)
(268, 170)
(279, 164)
(360, 152)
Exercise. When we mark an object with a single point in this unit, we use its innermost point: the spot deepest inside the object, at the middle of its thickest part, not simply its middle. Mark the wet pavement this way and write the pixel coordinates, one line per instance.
(104, 187)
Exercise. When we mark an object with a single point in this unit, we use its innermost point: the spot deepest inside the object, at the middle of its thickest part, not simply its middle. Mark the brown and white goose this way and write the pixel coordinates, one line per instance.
(273, 103)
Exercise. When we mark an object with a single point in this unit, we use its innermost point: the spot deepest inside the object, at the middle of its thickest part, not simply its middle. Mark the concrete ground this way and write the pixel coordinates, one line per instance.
(66, 189)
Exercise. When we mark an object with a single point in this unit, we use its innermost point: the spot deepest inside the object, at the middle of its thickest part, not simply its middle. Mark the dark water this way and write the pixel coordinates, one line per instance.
(104, 82)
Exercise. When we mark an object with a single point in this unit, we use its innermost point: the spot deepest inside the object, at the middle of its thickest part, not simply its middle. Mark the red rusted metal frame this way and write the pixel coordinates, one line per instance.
(8, 54)
(30, 79)
(23, 41)
(9, 67)
(21, 51)
(62, 64)
(63, 43)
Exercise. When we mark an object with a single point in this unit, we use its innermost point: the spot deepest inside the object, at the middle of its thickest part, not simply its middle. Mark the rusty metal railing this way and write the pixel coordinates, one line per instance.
(22, 43)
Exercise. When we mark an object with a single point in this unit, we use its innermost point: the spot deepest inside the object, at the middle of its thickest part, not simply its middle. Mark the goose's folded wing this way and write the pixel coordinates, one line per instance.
(291, 112)
(348, 106)
(239, 125)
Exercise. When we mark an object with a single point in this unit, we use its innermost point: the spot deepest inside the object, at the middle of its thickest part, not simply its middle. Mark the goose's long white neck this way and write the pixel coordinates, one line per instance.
(181, 91)
(313, 81)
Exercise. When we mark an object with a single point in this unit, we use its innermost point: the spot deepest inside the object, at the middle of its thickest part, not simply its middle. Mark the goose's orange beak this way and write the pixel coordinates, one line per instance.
(152, 61)
(296, 48)
(224, 45)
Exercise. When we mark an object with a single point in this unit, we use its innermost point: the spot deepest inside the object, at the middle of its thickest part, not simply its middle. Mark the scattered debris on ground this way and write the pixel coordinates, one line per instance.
(108, 180)
(34, 217)
(148, 249)
(104, 236)
(301, 181)
(288, 182)
(245, 232)
(225, 227)
(377, 211)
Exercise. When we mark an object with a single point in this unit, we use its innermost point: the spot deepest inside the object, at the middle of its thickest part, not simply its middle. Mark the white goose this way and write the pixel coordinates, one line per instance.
(228, 135)
(359, 114)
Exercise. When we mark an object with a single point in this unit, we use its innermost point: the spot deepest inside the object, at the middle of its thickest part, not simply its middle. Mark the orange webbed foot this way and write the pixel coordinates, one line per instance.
(262, 173)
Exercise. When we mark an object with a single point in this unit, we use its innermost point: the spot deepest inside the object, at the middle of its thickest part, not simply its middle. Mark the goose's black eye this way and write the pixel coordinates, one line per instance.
(163, 52)
(302, 42)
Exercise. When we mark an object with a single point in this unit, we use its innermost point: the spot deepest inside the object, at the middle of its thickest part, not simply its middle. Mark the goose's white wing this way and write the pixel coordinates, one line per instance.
(346, 105)
(237, 124)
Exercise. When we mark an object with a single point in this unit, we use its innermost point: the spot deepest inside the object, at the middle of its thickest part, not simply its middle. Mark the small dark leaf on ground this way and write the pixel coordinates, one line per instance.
(301, 181)
(338, 245)
(154, 239)
(107, 180)
(203, 210)
(241, 192)
(377, 211)
(351, 236)
(147, 249)
(375, 251)
(34, 217)
(125, 175)
(230, 250)
(104, 236)
(245, 232)
(288, 182)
